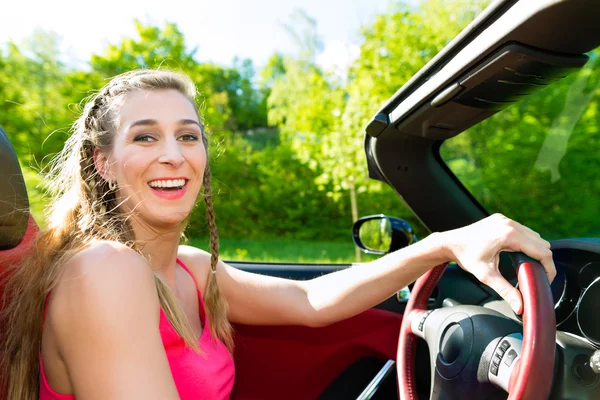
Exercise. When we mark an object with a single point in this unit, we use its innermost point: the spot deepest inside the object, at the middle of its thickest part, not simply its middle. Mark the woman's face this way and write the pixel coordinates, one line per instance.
(158, 158)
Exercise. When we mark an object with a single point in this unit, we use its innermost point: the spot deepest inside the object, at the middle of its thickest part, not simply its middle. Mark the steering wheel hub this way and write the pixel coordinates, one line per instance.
(455, 345)
(452, 342)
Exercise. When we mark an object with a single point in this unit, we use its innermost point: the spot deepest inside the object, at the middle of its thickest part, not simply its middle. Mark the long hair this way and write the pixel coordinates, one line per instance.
(86, 208)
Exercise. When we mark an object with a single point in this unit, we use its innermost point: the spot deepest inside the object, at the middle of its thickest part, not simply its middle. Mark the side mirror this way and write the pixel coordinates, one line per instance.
(380, 234)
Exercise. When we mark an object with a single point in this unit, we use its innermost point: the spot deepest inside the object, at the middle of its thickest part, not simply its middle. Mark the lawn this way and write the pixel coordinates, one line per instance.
(275, 250)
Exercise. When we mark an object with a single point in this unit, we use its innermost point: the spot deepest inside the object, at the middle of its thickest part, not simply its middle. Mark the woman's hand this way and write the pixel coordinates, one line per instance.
(476, 248)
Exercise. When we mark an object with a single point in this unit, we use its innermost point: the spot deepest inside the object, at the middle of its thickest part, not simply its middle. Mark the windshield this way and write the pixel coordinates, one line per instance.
(538, 161)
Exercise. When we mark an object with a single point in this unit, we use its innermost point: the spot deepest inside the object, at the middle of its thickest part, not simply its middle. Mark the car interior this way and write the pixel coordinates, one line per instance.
(452, 337)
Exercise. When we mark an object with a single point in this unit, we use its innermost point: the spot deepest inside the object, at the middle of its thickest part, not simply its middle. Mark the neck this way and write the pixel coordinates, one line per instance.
(160, 247)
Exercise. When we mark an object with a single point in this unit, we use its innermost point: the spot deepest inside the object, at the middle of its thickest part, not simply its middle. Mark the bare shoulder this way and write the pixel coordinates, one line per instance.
(198, 262)
(104, 279)
(102, 262)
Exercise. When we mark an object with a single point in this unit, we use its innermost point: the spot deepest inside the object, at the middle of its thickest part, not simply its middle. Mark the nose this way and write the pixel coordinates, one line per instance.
(171, 154)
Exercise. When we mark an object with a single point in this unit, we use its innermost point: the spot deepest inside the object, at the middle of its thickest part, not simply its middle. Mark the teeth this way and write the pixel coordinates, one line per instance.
(167, 183)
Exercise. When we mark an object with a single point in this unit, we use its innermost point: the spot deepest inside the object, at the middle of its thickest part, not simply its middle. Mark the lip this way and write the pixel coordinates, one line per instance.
(170, 195)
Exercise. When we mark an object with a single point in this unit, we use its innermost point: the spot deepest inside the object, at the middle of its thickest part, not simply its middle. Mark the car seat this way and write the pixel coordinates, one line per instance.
(17, 227)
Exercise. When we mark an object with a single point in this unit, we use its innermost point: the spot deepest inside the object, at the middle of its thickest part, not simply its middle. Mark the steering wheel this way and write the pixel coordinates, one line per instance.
(478, 352)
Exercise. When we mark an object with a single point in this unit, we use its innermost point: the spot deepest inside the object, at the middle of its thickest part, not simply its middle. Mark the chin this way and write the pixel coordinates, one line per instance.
(159, 215)
(162, 219)
(175, 218)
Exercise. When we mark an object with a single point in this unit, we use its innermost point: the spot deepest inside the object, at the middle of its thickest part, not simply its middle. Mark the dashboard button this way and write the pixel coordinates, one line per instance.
(509, 358)
(496, 360)
(494, 370)
(423, 318)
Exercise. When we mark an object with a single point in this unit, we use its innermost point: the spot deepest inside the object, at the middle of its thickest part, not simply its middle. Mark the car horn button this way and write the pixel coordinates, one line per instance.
(455, 345)
(452, 343)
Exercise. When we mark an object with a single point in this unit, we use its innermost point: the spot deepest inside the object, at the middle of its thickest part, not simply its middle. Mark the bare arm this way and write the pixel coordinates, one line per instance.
(256, 299)
(348, 292)
(105, 315)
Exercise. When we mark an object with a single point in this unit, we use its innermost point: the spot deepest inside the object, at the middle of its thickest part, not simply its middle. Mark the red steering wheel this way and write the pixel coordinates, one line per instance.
(454, 343)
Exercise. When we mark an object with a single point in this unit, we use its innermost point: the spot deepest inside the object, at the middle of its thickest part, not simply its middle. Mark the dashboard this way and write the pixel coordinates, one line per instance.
(576, 288)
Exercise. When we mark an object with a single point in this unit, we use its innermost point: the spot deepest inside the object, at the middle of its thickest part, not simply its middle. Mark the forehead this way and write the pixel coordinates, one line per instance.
(164, 105)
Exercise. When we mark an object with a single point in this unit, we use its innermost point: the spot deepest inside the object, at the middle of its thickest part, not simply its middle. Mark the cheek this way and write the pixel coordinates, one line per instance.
(131, 166)
(197, 161)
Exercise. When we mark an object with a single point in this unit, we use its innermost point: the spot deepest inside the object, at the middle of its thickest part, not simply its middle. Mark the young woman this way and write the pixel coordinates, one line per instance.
(110, 306)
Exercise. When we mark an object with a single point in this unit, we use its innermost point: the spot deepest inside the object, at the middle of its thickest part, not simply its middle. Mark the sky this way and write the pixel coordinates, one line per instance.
(220, 29)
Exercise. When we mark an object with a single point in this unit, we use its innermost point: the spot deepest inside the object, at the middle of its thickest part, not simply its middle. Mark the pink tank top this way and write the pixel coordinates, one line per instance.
(208, 377)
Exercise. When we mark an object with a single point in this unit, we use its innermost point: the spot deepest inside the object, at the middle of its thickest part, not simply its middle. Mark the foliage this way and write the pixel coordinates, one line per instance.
(33, 105)
(287, 140)
(268, 194)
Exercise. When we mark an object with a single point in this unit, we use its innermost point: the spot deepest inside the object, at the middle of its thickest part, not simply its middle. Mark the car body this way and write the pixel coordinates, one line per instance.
(404, 145)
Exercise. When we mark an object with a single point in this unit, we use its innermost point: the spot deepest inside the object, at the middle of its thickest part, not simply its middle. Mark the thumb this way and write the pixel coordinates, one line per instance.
(507, 291)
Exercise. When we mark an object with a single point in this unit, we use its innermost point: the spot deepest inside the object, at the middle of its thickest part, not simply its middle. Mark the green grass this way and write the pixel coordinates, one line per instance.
(283, 250)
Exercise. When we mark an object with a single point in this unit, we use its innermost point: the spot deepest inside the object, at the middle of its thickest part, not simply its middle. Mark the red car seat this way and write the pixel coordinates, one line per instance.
(17, 227)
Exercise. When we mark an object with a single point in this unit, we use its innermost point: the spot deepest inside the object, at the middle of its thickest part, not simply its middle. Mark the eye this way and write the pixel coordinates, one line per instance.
(144, 138)
(189, 137)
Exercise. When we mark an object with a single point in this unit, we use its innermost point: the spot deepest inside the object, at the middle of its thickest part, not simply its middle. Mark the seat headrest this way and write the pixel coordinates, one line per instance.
(14, 204)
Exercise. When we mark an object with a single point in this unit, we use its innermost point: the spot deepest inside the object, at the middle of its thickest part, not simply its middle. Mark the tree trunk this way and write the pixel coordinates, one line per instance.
(354, 207)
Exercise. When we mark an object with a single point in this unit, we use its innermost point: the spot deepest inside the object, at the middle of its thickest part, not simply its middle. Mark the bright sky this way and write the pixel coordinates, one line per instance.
(221, 29)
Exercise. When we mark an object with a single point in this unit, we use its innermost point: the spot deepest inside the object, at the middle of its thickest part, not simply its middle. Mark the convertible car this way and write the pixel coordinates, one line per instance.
(504, 119)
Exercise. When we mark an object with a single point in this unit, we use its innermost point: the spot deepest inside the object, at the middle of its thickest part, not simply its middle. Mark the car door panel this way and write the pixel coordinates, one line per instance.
(293, 362)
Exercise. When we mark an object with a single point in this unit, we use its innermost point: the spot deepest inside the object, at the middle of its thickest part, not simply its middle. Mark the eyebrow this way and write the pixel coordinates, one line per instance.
(153, 122)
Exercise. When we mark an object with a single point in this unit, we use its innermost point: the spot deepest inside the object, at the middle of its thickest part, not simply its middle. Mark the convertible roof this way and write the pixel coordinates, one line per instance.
(513, 49)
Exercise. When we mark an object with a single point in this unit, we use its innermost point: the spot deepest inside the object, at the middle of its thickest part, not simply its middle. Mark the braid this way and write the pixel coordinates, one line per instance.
(215, 303)
(210, 218)
(210, 214)
(95, 189)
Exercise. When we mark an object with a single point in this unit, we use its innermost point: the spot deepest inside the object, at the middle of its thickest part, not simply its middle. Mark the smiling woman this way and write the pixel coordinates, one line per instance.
(130, 174)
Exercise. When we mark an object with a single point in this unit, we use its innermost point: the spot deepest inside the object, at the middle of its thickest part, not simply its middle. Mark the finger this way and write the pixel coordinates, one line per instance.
(541, 253)
(501, 286)
(530, 233)
(550, 268)
(535, 247)
(527, 229)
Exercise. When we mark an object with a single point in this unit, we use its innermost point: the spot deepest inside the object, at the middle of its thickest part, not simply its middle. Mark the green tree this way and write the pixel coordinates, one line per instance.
(248, 102)
(33, 111)
(275, 68)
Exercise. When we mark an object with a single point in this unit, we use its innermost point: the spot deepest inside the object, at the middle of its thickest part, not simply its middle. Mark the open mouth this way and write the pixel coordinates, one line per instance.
(168, 185)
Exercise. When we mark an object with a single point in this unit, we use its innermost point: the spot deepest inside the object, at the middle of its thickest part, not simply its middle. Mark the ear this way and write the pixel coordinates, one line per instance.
(101, 164)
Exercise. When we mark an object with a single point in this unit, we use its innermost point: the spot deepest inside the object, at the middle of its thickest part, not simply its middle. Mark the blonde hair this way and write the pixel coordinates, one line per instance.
(86, 209)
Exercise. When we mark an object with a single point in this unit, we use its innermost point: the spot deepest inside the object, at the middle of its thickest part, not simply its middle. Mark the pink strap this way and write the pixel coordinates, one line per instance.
(200, 295)
(187, 270)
